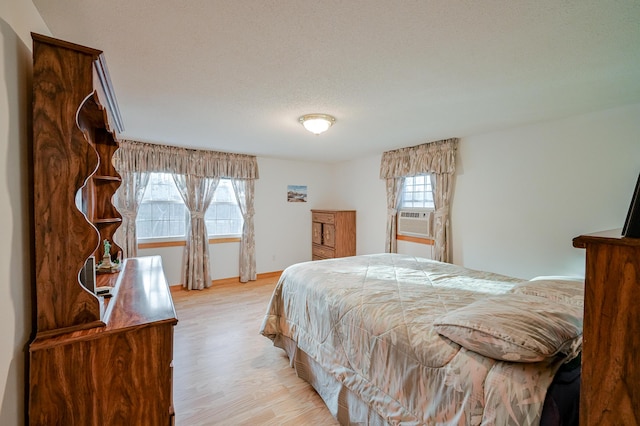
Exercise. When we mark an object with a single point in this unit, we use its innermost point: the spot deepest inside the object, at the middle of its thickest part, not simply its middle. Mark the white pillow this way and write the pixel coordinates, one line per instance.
(558, 278)
(514, 327)
(564, 291)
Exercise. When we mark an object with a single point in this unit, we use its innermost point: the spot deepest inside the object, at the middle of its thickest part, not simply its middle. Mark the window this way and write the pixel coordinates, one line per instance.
(223, 216)
(417, 192)
(162, 213)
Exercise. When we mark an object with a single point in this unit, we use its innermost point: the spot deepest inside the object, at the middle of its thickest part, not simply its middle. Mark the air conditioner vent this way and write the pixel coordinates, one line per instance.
(415, 223)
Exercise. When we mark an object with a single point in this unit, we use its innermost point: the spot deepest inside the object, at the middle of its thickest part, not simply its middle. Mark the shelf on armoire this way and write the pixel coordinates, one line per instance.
(107, 220)
(108, 178)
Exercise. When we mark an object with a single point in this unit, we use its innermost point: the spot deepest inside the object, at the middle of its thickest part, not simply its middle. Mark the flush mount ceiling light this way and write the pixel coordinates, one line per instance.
(317, 123)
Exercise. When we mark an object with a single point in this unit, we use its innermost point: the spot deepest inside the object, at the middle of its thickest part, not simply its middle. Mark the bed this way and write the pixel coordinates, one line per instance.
(395, 339)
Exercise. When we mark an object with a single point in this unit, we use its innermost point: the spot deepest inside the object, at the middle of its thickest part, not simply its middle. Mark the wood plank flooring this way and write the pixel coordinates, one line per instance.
(226, 373)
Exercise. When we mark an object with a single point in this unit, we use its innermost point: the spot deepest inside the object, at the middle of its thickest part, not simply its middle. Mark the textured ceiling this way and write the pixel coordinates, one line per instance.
(235, 75)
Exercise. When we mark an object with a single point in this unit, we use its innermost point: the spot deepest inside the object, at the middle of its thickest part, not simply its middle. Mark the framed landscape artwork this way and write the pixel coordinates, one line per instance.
(297, 193)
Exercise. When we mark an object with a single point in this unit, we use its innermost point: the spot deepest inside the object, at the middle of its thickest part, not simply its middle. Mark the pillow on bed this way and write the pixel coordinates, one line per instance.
(558, 278)
(559, 289)
(514, 327)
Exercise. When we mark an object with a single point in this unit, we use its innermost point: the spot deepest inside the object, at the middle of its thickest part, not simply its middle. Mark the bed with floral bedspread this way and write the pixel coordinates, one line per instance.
(395, 339)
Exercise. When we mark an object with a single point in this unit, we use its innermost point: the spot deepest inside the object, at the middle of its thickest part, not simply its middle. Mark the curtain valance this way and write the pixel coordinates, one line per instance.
(145, 157)
(434, 157)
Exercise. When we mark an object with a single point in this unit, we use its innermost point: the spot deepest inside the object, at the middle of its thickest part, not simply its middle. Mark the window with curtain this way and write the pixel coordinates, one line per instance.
(223, 216)
(162, 213)
(417, 193)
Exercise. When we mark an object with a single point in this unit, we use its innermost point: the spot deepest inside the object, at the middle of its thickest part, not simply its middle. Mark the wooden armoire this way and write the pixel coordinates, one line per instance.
(93, 360)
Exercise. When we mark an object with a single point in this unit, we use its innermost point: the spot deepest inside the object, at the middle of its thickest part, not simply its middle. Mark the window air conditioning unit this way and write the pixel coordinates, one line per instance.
(415, 223)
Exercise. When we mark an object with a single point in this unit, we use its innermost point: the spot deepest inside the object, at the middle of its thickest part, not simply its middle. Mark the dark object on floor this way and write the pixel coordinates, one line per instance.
(562, 404)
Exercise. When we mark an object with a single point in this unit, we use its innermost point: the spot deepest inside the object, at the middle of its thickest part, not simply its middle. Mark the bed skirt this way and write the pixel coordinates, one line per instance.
(343, 404)
(560, 408)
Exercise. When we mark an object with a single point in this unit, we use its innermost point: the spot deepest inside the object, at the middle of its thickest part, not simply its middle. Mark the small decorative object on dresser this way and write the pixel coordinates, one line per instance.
(106, 259)
(106, 264)
(333, 233)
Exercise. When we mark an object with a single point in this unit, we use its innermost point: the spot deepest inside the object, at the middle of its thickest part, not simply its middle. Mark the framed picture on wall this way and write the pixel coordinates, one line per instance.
(297, 193)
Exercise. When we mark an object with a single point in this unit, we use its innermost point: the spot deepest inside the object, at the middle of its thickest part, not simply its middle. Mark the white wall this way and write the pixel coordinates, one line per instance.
(522, 194)
(520, 197)
(416, 249)
(17, 19)
(359, 187)
(223, 261)
(283, 229)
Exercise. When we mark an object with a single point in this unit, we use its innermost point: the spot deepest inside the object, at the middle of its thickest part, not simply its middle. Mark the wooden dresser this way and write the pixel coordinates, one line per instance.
(92, 360)
(333, 233)
(610, 382)
(118, 374)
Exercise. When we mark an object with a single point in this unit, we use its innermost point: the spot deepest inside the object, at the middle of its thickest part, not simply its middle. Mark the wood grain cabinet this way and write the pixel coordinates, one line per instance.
(92, 360)
(333, 233)
(610, 380)
(118, 374)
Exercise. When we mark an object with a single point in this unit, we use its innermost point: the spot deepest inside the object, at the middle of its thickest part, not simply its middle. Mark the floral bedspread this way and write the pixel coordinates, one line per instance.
(368, 321)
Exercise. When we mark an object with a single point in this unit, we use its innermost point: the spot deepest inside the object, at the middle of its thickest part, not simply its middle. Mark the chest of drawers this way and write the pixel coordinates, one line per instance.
(333, 233)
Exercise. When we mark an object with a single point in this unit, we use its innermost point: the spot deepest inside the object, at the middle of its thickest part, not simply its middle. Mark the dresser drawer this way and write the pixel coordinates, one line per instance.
(323, 217)
(323, 252)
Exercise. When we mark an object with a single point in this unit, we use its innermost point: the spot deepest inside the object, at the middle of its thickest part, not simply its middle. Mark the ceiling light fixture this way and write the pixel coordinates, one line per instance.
(317, 123)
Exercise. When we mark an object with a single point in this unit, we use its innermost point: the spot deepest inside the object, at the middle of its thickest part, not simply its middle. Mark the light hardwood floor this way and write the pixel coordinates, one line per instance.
(226, 373)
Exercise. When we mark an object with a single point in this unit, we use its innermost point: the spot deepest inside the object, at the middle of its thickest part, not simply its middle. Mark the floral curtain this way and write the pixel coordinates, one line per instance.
(442, 190)
(439, 160)
(197, 193)
(127, 200)
(203, 167)
(147, 157)
(394, 187)
(244, 189)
